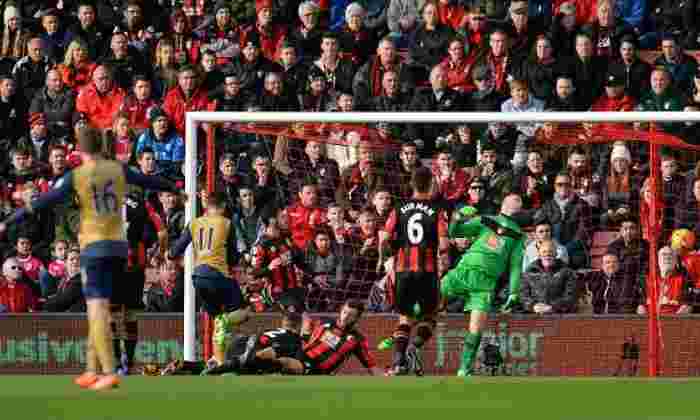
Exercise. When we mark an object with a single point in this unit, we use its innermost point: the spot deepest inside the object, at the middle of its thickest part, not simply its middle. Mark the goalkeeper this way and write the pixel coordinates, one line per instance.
(498, 246)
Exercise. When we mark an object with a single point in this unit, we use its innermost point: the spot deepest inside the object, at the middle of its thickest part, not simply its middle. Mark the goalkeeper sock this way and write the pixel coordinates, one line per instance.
(401, 337)
(471, 346)
(424, 332)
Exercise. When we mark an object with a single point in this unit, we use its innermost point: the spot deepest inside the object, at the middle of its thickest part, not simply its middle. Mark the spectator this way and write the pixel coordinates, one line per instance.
(477, 27)
(210, 74)
(476, 197)
(680, 66)
(672, 298)
(635, 72)
(168, 294)
(222, 36)
(457, 66)
(583, 179)
(14, 37)
(564, 29)
(650, 225)
(185, 97)
(294, 70)
(495, 58)
(269, 34)
(524, 31)
(619, 197)
(565, 97)
(57, 103)
(138, 103)
(39, 139)
(30, 71)
(571, 220)
(663, 97)
(504, 140)
(306, 214)
(50, 278)
(543, 234)
(307, 36)
(317, 96)
(587, 70)
(133, 25)
(428, 43)
(364, 240)
(522, 101)
(101, 99)
(391, 99)
(400, 179)
(540, 69)
(315, 165)
(359, 180)
(248, 216)
(31, 265)
(55, 37)
(381, 205)
(77, 67)
(607, 29)
(492, 173)
(329, 266)
(69, 293)
(614, 100)
(402, 19)
(357, 40)
(121, 140)
(172, 216)
(124, 60)
(452, 14)
(548, 285)
(450, 181)
(269, 185)
(463, 146)
(613, 291)
(15, 295)
(532, 183)
(367, 82)
(673, 189)
(164, 68)
(339, 71)
(631, 249)
(187, 44)
(486, 98)
(167, 144)
(227, 181)
(94, 33)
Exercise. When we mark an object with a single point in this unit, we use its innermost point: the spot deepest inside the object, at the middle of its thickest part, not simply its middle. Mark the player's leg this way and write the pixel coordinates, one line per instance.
(118, 313)
(477, 305)
(133, 305)
(98, 277)
(226, 306)
(429, 301)
(405, 301)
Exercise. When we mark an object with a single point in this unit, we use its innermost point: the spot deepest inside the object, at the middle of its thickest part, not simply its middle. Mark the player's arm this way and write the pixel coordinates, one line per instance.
(443, 232)
(149, 182)
(180, 246)
(387, 232)
(516, 266)
(62, 190)
(460, 229)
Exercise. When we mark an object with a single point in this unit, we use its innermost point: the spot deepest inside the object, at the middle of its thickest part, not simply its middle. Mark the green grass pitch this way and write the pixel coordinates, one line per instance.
(357, 398)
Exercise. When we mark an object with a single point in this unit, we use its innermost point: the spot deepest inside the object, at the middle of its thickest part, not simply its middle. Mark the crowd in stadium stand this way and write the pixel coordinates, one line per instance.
(308, 210)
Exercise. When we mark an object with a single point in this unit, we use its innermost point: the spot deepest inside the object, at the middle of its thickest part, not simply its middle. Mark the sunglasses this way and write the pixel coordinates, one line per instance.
(476, 187)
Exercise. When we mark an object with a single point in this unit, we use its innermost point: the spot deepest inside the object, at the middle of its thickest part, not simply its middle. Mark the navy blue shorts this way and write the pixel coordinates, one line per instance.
(219, 293)
(99, 274)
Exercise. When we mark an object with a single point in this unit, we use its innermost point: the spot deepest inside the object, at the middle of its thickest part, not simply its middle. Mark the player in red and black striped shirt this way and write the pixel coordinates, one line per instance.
(328, 345)
(418, 228)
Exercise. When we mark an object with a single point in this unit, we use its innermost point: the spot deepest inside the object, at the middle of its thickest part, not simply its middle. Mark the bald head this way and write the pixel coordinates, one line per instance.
(511, 205)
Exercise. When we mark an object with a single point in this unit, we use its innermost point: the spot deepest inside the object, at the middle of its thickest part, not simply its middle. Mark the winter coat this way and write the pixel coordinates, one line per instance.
(556, 287)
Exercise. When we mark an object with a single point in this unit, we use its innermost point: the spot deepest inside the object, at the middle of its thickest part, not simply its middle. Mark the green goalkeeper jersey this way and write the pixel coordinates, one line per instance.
(498, 246)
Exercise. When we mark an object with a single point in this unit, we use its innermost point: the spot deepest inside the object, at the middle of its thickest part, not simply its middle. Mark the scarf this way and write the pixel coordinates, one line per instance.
(376, 74)
(12, 44)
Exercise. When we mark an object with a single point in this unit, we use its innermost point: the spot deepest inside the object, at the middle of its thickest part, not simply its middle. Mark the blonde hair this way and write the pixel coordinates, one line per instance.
(74, 45)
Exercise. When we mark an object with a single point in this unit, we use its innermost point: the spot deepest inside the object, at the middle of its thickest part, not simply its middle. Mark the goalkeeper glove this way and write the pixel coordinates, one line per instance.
(466, 212)
(510, 303)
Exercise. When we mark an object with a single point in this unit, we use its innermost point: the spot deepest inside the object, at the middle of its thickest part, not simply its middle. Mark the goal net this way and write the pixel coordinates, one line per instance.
(610, 208)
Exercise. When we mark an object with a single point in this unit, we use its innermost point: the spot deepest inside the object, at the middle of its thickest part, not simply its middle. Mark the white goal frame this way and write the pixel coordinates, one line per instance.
(192, 120)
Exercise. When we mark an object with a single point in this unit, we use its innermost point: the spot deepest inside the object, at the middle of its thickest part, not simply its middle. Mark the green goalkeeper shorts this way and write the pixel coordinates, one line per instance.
(463, 283)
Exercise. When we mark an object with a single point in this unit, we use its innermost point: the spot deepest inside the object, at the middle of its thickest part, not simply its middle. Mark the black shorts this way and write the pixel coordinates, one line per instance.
(420, 288)
(99, 274)
(257, 366)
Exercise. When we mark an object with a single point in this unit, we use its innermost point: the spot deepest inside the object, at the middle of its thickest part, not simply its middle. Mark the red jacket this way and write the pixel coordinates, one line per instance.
(585, 10)
(302, 223)
(17, 297)
(100, 109)
(269, 41)
(454, 188)
(458, 76)
(175, 106)
(622, 104)
(138, 111)
(77, 77)
(31, 266)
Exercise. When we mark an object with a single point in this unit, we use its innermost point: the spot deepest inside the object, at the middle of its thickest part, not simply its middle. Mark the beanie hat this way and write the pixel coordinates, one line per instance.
(10, 12)
(261, 4)
(221, 4)
(620, 151)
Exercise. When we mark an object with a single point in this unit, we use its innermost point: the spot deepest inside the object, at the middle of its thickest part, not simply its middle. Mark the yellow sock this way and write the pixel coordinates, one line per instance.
(238, 317)
(90, 354)
(103, 340)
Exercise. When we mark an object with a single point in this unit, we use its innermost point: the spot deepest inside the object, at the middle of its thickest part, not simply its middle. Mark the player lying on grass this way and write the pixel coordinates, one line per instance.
(326, 347)
(214, 246)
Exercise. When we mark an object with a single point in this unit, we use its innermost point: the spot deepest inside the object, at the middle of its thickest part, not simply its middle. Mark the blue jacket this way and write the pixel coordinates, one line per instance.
(169, 153)
(632, 12)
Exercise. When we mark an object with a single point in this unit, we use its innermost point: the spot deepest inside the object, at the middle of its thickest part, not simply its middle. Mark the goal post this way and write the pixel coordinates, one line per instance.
(194, 119)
